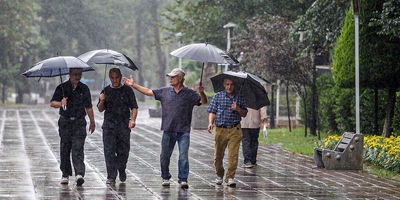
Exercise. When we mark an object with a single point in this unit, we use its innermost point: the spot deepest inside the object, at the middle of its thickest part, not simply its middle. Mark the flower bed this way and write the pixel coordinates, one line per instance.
(381, 151)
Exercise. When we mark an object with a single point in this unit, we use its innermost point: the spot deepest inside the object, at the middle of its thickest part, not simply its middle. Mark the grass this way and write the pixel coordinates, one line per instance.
(293, 141)
(296, 142)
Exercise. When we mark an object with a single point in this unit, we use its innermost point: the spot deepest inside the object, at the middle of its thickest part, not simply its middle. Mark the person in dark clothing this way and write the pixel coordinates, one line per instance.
(119, 103)
(74, 101)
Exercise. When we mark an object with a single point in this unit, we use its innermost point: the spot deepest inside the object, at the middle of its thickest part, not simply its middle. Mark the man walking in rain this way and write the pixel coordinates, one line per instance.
(225, 110)
(119, 103)
(251, 130)
(74, 101)
(177, 104)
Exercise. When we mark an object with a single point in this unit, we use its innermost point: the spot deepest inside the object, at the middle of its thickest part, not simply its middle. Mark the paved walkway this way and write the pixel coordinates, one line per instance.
(29, 154)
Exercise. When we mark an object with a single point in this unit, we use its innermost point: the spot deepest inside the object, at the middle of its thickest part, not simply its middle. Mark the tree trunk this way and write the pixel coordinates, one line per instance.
(3, 93)
(288, 106)
(376, 110)
(160, 54)
(138, 27)
(305, 112)
(22, 85)
(272, 114)
(387, 127)
(313, 122)
(317, 114)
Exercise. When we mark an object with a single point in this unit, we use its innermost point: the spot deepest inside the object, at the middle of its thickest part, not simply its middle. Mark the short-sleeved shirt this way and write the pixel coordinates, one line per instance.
(118, 103)
(176, 108)
(78, 99)
(221, 106)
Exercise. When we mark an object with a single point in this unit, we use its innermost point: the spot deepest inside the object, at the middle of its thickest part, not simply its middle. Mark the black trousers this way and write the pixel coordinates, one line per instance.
(116, 141)
(72, 134)
(250, 144)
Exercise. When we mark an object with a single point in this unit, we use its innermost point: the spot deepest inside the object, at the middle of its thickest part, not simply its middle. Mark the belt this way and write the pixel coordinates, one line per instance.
(229, 126)
(71, 118)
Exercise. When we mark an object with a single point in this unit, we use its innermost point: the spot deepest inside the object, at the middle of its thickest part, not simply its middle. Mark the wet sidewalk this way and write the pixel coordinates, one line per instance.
(29, 169)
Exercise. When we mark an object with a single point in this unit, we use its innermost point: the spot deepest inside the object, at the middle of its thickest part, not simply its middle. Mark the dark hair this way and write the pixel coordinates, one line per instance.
(115, 70)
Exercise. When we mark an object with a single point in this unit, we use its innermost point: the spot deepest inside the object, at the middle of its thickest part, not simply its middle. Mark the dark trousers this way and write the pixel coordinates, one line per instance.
(250, 144)
(72, 134)
(116, 143)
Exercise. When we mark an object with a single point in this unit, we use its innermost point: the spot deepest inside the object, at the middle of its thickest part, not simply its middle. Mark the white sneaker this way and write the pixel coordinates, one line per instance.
(64, 180)
(165, 182)
(248, 165)
(219, 181)
(231, 182)
(184, 185)
(79, 180)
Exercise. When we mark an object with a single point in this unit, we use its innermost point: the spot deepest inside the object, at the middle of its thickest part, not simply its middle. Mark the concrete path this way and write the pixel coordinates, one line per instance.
(29, 167)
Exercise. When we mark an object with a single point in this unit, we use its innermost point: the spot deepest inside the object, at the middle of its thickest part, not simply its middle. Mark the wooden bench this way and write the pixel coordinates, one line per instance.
(348, 153)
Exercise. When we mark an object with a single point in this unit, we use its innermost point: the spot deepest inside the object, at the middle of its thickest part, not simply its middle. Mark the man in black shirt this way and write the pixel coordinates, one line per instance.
(119, 102)
(74, 101)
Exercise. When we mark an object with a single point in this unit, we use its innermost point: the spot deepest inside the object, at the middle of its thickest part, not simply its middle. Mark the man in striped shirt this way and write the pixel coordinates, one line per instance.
(225, 111)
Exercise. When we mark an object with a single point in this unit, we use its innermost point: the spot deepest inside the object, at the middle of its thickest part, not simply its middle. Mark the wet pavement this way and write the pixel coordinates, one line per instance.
(29, 169)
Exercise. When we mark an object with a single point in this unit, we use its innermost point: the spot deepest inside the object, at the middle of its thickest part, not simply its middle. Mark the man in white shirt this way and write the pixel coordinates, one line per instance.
(250, 130)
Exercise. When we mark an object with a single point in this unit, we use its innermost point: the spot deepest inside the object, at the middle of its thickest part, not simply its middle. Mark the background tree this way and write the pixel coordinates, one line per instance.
(319, 27)
(269, 50)
(378, 56)
(19, 39)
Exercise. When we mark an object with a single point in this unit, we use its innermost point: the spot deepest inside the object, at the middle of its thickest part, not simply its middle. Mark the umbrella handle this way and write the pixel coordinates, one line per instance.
(104, 80)
(62, 89)
(201, 76)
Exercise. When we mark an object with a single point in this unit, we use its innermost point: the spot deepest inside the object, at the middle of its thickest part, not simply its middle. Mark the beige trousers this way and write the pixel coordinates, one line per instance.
(227, 137)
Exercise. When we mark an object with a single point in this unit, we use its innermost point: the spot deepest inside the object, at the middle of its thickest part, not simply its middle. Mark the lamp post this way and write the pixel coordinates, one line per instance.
(179, 36)
(356, 10)
(229, 26)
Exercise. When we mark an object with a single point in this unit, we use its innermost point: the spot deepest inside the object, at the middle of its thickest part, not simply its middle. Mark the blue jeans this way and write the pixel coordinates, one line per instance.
(167, 147)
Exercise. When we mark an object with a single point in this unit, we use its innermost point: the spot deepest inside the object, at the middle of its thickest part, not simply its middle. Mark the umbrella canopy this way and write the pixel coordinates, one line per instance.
(247, 85)
(108, 56)
(56, 66)
(203, 52)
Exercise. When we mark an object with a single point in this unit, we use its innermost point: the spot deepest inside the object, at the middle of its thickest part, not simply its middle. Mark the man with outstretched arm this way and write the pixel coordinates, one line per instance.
(177, 103)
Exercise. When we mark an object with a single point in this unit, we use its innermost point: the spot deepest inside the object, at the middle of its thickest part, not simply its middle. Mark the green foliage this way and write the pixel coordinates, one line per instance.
(344, 55)
(389, 19)
(326, 94)
(203, 21)
(321, 24)
(19, 38)
(378, 53)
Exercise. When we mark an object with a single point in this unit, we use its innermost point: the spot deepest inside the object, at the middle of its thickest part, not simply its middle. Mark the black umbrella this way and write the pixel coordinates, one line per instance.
(247, 85)
(107, 56)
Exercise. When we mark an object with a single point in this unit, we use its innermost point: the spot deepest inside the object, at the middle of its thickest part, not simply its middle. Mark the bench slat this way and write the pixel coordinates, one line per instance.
(346, 140)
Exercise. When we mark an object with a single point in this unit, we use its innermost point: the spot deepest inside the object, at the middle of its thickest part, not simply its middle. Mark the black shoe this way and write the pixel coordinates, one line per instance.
(79, 180)
(110, 181)
(184, 185)
(122, 176)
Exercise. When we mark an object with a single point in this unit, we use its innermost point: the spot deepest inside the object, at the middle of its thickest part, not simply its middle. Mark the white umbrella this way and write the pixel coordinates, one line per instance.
(203, 52)
(57, 66)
